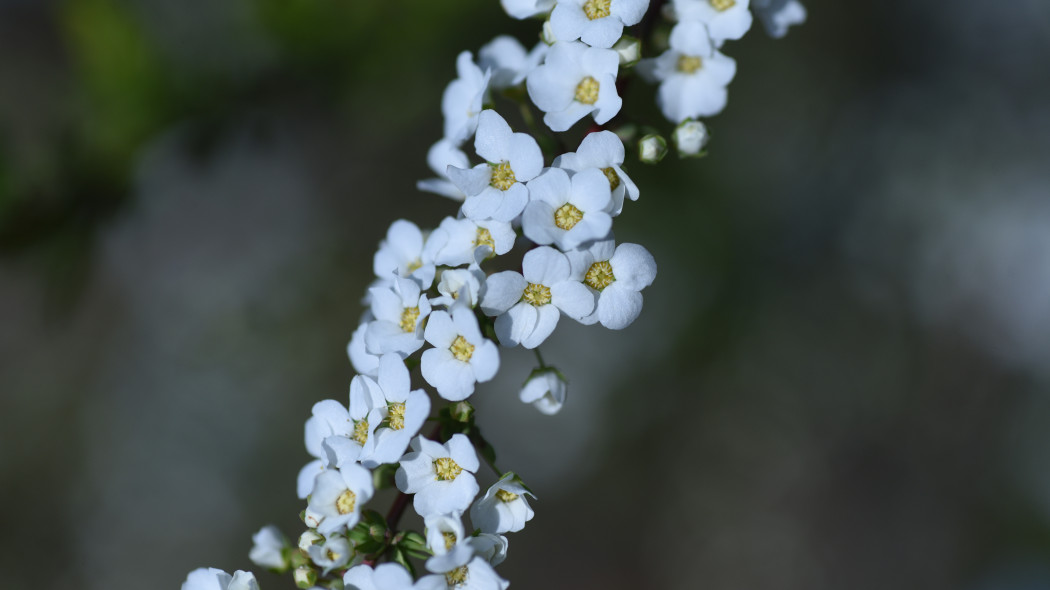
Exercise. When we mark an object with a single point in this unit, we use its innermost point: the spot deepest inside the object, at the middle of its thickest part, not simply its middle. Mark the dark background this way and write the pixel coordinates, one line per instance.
(840, 379)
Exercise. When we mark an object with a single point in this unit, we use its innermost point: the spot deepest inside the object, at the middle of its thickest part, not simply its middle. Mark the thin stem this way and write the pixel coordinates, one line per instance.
(539, 358)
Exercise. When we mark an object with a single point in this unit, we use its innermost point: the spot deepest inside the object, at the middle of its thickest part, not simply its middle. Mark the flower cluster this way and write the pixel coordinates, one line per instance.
(531, 243)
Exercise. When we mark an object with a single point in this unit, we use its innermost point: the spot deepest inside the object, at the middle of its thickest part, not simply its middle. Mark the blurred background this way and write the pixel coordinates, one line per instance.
(841, 378)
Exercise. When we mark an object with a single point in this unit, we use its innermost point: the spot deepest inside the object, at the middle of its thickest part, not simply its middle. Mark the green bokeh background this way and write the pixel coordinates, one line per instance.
(840, 379)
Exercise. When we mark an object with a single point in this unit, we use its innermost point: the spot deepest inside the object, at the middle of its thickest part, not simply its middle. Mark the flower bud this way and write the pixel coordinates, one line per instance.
(547, 35)
(309, 538)
(305, 577)
(461, 411)
(652, 148)
(545, 390)
(690, 138)
(268, 549)
(629, 49)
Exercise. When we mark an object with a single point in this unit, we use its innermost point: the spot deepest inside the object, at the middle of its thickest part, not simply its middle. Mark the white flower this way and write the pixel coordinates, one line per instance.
(605, 151)
(598, 23)
(401, 412)
(460, 357)
(388, 576)
(216, 579)
(494, 190)
(444, 534)
(440, 476)
(777, 15)
(363, 362)
(338, 496)
(503, 508)
(568, 212)
(462, 100)
(440, 156)
(402, 254)
(508, 61)
(616, 275)
(460, 284)
(463, 570)
(334, 553)
(529, 304)
(268, 548)
(444, 531)
(464, 241)
(546, 391)
(723, 19)
(690, 137)
(400, 312)
(520, 9)
(575, 81)
(692, 75)
(493, 548)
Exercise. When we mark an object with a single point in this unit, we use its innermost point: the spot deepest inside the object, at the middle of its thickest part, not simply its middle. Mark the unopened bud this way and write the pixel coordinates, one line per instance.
(629, 49)
(309, 538)
(305, 577)
(652, 148)
(461, 411)
(547, 36)
(690, 138)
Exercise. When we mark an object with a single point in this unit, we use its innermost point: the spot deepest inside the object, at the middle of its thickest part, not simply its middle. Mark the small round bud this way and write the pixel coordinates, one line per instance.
(629, 49)
(690, 138)
(309, 538)
(652, 148)
(305, 577)
(461, 411)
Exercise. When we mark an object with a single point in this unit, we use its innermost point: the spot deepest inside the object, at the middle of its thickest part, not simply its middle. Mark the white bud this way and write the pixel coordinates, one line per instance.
(268, 548)
(629, 49)
(689, 138)
(308, 539)
(652, 148)
(305, 576)
(547, 36)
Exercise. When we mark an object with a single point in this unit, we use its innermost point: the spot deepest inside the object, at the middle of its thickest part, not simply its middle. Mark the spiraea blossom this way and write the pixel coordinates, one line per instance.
(495, 190)
(693, 75)
(602, 150)
(574, 81)
(529, 304)
(616, 276)
(461, 356)
(215, 579)
(722, 19)
(461, 104)
(568, 211)
(441, 477)
(504, 507)
(531, 241)
(598, 23)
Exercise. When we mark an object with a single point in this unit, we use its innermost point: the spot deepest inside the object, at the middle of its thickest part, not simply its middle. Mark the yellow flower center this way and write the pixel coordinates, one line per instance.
(505, 496)
(396, 415)
(687, 64)
(461, 349)
(345, 502)
(450, 539)
(596, 8)
(360, 432)
(722, 5)
(567, 216)
(614, 178)
(457, 577)
(502, 176)
(409, 315)
(445, 469)
(484, 238)
(599, 275)
(414, 265)
(587, 91)
(536, 295)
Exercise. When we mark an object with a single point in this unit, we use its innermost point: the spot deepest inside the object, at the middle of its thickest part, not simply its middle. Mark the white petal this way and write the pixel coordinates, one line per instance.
(502, 291)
